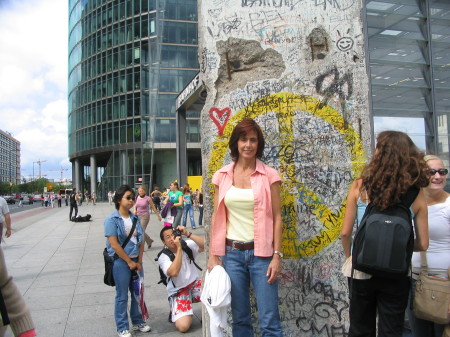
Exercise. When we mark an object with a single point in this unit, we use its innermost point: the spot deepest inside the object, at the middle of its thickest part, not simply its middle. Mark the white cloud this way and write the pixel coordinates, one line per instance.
(33, 82)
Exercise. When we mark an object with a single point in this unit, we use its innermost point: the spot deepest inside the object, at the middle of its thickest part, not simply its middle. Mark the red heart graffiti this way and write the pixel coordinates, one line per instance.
(220, 118)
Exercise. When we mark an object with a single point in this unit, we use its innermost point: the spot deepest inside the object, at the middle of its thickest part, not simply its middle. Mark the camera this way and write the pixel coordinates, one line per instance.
(176, 232)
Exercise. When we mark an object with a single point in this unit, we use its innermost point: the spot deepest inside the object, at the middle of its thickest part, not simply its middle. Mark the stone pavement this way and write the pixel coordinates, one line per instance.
(58, 266)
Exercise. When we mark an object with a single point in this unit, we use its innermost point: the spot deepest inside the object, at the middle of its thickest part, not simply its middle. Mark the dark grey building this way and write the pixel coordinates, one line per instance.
(9, 158)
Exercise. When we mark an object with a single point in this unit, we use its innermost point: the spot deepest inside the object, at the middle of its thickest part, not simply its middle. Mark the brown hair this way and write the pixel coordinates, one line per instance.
(241, 129)
(396, 165)
(186, 189)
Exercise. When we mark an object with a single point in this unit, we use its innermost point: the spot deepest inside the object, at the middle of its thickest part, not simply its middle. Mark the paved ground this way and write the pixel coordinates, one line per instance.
(58, 267)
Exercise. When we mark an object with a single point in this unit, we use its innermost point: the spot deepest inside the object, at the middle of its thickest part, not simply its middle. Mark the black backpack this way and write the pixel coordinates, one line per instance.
(384, 242)
(188, 251)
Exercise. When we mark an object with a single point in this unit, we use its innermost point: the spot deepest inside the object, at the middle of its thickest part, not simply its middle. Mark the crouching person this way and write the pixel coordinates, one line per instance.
(177, 263)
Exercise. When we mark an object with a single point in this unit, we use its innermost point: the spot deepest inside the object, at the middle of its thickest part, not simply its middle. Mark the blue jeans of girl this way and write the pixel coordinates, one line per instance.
(188, 208)
(122, 278)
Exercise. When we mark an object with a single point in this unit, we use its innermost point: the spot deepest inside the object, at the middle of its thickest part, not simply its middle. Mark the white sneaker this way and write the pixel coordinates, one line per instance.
(142, 327)
(124, 333)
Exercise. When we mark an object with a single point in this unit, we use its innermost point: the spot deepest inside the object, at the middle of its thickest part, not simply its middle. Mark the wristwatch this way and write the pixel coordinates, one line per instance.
(280, 254)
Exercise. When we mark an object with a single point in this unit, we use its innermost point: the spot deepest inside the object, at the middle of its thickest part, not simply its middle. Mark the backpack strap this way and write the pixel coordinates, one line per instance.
(171, 256)
(189, 253)
(128, 238)
(410, 196)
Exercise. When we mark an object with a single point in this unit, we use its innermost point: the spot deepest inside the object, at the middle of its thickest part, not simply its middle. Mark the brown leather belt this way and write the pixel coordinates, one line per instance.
(240, 245)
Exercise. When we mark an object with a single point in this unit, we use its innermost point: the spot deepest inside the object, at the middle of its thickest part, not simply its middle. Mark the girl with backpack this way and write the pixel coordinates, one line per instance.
(397, 172)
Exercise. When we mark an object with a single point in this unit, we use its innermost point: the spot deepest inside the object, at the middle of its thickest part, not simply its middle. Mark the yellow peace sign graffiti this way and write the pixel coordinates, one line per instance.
(284, 106)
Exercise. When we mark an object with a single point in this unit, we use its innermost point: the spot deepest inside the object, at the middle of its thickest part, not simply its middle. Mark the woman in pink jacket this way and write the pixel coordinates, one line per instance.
(246, 230)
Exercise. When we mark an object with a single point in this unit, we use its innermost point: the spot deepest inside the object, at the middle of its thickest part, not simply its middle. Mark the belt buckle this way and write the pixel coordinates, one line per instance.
(233, 245)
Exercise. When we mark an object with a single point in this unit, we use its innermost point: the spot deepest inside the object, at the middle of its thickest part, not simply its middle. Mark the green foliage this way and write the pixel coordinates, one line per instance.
(31, 187)
(4, 188)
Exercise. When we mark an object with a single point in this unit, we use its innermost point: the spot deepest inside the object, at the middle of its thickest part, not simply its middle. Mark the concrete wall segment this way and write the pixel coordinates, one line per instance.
(298, 68)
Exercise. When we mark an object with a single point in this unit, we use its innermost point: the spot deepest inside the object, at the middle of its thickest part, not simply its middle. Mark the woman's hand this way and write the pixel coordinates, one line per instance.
(213, 261)
(134, 265)
(274, 269)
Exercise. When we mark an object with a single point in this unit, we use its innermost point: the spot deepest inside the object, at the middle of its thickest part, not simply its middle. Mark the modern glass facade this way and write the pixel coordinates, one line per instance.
(409, 57)
(128, 60)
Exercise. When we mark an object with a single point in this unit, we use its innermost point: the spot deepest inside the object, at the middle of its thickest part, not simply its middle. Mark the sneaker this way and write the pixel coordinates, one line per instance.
(124, 333)
(193, 227)
(142, 327)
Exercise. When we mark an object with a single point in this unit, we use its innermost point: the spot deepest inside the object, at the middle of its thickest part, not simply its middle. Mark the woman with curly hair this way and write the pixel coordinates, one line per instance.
(396, 174)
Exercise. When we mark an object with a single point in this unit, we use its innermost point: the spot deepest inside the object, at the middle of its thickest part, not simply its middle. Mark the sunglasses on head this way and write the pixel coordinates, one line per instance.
(442, 172)
(129, 197)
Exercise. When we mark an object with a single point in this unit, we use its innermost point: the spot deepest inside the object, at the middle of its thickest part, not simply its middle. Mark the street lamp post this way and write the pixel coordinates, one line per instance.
(10, 186)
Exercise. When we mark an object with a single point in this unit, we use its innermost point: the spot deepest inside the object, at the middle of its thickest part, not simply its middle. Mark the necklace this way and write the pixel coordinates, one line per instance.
(242, 175)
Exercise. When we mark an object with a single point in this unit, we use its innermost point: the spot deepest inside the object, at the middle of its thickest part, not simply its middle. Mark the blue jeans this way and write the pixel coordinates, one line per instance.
(188, 208)
(200, 216)
(122, 278)
(177, 220)
(244, 267)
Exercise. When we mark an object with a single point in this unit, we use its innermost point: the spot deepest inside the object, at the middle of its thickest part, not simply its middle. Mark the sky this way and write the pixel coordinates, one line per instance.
(33, 86)
(33, 83)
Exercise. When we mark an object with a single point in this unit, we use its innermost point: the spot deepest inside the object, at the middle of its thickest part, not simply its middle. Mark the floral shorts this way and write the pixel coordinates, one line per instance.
(181, 303)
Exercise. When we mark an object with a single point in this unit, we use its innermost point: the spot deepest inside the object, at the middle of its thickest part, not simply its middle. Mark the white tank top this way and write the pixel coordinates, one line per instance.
(239, 203)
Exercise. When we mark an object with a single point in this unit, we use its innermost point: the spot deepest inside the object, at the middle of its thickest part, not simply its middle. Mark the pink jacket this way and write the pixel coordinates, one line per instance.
(261, 180)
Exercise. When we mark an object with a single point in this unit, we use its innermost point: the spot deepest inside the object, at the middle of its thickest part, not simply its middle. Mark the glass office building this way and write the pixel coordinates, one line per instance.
(409, 58)
(128, 60)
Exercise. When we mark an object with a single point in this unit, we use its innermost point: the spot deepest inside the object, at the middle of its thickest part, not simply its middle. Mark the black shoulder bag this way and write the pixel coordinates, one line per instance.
(108, 279)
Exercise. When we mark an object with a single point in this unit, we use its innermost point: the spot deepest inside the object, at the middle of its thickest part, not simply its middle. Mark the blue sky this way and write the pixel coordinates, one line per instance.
(33, 82)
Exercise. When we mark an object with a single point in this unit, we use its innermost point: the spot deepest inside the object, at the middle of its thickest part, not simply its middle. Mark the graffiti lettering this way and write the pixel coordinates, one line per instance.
(291, 4)
(330, 84)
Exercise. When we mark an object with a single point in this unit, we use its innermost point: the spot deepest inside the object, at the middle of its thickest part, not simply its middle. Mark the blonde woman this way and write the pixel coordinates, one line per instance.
(438, 253)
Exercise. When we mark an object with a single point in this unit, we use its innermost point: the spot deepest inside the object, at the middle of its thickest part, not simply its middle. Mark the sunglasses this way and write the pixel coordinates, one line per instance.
(442, 172)
(129, 198)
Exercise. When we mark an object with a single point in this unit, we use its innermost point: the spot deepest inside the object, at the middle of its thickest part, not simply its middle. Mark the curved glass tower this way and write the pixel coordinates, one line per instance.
(128, 60)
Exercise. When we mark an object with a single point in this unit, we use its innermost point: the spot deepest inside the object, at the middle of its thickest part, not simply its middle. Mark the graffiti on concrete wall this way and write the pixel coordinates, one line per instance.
(317, 154)
(295, 66)
(292, 4)
(220, 118)
(305, 189)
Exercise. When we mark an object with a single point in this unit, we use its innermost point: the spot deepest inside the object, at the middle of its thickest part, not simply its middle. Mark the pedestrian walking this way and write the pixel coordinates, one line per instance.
(143, 202)
(73, 199)
(5, 219)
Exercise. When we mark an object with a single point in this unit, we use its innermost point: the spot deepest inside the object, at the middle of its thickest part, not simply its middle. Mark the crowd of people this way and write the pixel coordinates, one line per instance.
(246, 239)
